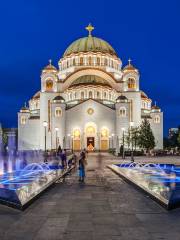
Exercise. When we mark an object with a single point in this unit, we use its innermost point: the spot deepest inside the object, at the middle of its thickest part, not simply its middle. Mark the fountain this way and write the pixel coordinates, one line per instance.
(160, 181)
(23, 174)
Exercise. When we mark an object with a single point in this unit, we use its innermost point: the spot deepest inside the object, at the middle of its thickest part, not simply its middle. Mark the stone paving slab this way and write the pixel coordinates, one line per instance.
(105, 207)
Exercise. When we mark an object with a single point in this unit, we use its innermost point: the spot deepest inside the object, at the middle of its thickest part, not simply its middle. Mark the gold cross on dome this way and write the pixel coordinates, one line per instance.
(90, 28)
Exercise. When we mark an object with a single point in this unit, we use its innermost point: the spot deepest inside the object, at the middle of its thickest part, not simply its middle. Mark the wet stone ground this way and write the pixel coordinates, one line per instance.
(105, 207)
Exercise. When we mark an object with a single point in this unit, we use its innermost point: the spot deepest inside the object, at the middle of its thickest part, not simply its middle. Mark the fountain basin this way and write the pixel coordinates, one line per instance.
(19, 188)
(160, 181)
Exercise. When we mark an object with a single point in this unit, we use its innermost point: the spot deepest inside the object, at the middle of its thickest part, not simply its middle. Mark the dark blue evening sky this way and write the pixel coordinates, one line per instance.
(34, 31)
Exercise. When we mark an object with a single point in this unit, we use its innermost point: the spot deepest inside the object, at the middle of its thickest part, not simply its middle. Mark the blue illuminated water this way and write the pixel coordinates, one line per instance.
(162, 181)
(15, 172)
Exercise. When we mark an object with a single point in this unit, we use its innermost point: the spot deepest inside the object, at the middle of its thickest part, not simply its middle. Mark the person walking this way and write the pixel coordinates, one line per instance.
(82, 163)
(63, 159)
(59, 150)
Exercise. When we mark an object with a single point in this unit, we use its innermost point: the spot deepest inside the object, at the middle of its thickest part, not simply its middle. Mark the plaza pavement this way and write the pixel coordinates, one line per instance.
(105, 207)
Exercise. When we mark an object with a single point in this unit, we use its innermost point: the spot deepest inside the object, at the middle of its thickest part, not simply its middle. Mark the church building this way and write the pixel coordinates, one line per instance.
(89, 101)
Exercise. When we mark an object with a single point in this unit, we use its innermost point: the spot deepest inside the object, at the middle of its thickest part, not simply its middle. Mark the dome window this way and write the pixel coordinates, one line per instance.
(131, 83)
(70, 96)
(98, 94)
(49, 85)
(90, 94)
(82, 95)
(105, 62)
(157, 119)
(58, 112)
(81, 61)
(122, 112)
(105, 95)
(98, 61)
(23, 120)
(90, 60)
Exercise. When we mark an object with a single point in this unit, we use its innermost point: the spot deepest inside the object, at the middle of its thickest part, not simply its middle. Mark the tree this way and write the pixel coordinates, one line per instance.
(166, 143)
(134, 137)
(128, 138)
(146, 138)
(131, 138)
(178, 138)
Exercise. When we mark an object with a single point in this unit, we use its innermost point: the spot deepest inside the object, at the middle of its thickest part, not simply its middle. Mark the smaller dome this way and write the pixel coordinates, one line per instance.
(121, 98)
(130, 67)
(59, 98)
(50, 67)
(143, 95)
(24, 109)
(36, 95)
(155, 108)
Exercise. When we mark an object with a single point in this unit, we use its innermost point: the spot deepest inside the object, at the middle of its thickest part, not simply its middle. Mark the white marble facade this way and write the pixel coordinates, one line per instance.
(87, 102)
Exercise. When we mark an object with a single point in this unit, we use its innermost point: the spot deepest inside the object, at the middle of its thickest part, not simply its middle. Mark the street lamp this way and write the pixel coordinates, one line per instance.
(123, 155)
(112, 140)
(131, 126)
(56, 130)
(45, 127)
(69, 140)
(72, 138)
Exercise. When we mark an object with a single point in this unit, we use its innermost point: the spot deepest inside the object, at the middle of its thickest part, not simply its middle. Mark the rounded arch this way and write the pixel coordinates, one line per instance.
(90, 129)
(104, 132)
(90, 71)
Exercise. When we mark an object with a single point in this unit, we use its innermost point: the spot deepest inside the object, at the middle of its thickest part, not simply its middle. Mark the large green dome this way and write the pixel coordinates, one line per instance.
(89, 44)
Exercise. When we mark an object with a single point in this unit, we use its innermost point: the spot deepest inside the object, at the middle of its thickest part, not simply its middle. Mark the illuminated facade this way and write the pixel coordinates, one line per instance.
(87, 102)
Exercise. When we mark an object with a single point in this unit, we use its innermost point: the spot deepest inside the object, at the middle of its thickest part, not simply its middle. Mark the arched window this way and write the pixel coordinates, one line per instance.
(70, 96)
(157, 119)
(110, 96)
(90, 94)
(90, 130)
(105, 62)
(82, 95)
(98, 61)
(23, 120)
(98, 94)
(58, 112)
(122, 112)
(131, 83)
(36, 105)
(90, 60)
(105, 94)
(143, 105)
(76, 133)
(74, 62)
(75, 95)
(104, 133)
(49, 85)
(81, 61)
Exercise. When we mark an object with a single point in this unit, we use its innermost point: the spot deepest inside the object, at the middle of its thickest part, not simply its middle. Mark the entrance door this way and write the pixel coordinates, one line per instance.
(90, 143)
(104, 145)
(77, 145)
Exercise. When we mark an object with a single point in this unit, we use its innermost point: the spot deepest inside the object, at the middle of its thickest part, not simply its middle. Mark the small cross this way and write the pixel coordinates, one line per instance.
(90, 28)
(129, 60)
(50, 61)
(155, 103)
